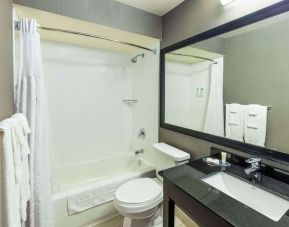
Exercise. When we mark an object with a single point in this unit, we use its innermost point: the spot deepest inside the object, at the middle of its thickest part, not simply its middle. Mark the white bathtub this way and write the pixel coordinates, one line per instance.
(77, 177)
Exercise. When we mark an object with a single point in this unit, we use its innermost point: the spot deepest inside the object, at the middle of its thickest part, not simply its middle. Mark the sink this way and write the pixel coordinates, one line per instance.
(260, 200)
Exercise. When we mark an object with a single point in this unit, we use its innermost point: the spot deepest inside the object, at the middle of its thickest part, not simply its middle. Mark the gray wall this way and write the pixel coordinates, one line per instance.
(6, 59)
(6, 78)
(215, 45)
(106, 12)
(190, 18)
(257, 71)
(196, 16)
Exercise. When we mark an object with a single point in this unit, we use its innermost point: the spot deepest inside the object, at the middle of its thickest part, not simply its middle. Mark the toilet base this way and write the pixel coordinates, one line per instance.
(155, 221)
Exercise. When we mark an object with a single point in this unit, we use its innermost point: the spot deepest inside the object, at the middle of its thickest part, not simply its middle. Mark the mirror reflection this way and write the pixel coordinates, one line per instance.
(234, 85)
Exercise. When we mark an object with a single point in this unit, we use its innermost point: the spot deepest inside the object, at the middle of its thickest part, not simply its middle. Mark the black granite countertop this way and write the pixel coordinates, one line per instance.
(187, 177)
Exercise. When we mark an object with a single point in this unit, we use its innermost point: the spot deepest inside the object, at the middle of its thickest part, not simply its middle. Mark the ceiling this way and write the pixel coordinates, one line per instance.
(158, 7)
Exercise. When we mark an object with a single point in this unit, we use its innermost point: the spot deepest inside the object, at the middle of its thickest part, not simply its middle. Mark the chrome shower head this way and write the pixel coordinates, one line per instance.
(134, 59)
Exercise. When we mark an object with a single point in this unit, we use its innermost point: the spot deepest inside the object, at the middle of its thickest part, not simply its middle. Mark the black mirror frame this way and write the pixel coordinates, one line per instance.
(265, 13)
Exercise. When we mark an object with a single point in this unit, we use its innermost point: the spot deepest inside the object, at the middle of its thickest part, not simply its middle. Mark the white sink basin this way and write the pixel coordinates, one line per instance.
(260, 200)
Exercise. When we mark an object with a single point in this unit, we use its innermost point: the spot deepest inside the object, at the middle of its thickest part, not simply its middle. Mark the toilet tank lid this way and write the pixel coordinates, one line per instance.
(174, 153)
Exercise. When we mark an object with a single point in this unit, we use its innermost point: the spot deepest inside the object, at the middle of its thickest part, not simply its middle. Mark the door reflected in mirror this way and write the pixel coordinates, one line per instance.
(235, 85)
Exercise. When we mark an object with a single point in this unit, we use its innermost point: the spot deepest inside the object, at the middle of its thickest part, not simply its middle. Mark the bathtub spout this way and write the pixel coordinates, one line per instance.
(140, 151)
(139, 162)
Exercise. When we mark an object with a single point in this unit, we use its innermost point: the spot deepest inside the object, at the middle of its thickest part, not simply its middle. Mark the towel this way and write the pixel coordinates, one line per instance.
(22, 130)
(255, 124)
(95, 194)
(235, 121)
(15, 169)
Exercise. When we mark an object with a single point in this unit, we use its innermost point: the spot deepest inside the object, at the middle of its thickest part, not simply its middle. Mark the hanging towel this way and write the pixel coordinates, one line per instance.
(255, 124)
(15, 169)
(235, 121)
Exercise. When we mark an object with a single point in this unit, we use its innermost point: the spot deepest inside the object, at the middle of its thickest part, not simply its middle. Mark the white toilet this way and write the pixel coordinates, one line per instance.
(140, 200)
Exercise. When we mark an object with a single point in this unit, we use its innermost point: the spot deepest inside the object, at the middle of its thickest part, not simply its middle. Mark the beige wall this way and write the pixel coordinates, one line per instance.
(6, 59)
(6, 76)
(2, 214)
(256, 71)
(193, 17)
(105, 12)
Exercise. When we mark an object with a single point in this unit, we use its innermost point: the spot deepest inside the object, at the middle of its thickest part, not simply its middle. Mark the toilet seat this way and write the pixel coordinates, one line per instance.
(138, 195)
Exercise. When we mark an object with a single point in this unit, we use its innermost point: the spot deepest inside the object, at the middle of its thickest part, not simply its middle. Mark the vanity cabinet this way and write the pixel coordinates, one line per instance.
(200, 215)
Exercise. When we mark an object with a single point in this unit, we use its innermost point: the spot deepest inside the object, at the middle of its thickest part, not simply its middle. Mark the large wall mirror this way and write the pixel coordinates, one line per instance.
(234, 85)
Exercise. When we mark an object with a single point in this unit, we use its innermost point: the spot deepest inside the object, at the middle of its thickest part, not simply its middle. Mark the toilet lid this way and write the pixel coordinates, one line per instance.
(137, 191)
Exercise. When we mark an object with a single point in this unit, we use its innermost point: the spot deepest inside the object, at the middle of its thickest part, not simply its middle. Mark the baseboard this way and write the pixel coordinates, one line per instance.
(115, 220)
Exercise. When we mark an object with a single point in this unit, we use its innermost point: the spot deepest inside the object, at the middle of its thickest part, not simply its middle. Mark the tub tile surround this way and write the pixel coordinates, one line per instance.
(83, 122)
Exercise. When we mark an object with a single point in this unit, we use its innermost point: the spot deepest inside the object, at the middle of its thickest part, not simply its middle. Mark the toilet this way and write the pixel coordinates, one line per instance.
(140, 200)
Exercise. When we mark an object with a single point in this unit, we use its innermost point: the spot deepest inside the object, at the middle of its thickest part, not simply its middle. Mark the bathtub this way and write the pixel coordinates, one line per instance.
(78, 177)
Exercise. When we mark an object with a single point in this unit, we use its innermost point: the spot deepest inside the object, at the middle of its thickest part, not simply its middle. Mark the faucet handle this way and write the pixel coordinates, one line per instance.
(254, 161)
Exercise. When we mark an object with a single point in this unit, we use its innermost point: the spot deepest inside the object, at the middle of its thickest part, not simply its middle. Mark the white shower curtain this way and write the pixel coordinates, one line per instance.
(214, 119)
(31, 101)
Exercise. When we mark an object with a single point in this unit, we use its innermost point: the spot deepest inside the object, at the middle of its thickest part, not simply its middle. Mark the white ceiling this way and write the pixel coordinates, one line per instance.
(158, 7)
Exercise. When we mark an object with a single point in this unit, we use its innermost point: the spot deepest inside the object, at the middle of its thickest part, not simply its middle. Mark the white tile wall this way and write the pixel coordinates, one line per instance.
(85, 89)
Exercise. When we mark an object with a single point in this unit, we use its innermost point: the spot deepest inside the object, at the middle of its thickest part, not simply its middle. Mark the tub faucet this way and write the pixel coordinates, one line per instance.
(140, 151)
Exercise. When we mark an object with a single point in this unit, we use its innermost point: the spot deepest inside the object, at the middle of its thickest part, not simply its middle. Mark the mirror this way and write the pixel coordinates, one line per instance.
(234, 85)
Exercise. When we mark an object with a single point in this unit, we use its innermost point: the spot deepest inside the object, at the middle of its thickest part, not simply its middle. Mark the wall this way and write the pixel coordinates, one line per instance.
(193, 17)
(182, 82)
(106, 12)
(6, 59)
(145, 80)
(257, 72)
(85, 88)
(6, 76)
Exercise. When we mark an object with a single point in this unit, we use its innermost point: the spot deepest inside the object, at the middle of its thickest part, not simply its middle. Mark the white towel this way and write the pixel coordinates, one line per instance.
(255, 124)
(22, 130)
(95, 194)
(15, 171)
(235, 121)
(11, 191)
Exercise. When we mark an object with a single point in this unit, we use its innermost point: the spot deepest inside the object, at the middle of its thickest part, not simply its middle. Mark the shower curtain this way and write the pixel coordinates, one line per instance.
(30, 100)
(214, 118)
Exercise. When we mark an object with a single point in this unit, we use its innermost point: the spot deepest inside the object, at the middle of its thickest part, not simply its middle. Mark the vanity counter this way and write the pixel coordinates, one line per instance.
(200, 198)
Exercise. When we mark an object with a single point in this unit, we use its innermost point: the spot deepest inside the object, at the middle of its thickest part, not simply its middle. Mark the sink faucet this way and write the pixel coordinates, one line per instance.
(254, 169)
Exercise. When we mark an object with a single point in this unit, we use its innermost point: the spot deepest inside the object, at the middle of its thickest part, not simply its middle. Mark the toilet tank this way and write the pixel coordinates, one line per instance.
(166, 156)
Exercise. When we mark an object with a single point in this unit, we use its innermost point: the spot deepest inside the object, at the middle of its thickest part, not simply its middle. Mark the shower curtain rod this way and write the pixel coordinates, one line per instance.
(18, 26)
(194, 56)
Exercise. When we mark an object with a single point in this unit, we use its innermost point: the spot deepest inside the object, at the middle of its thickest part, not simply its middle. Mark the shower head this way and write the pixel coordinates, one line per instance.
(134, 59)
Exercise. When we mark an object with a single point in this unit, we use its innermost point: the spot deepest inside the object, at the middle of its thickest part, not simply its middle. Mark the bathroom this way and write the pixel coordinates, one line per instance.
(143, 113)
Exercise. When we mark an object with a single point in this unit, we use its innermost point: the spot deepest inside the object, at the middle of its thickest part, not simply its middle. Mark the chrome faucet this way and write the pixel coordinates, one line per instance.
(136, 152)
(140, 151)
(255, 165)
(253, 170)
